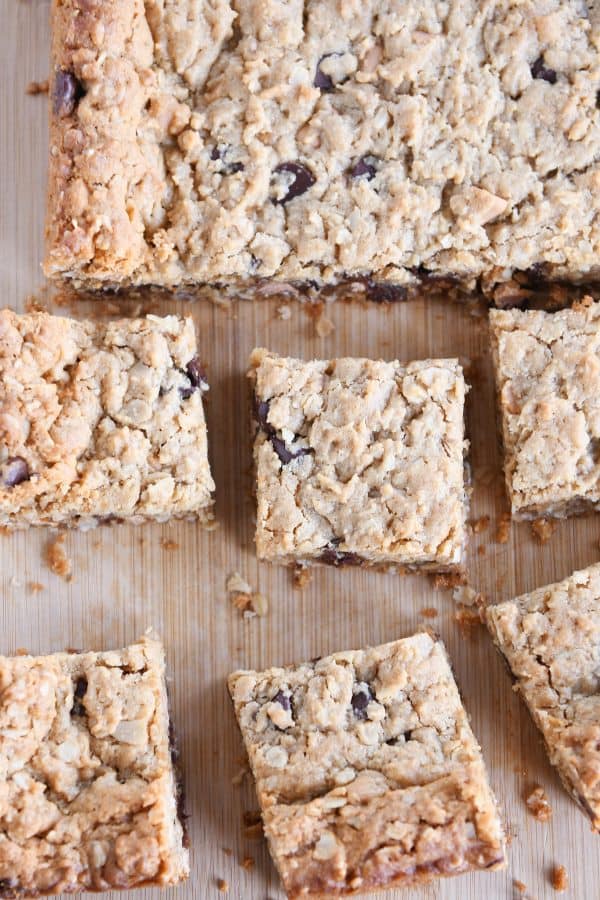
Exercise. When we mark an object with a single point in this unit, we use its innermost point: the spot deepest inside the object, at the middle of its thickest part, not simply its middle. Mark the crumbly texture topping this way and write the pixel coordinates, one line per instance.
(359, 461)
(548, 382)
(100, 421)
(551, 641)
(206, 141)
(88, 799)
(366, 769)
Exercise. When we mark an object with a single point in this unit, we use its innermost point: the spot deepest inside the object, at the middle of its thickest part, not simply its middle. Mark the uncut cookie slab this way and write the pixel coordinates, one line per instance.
(88, 795)
(319, 141)
(101, 421)
(551, 641)
(367, 771)
(359, 462)
(548, 384)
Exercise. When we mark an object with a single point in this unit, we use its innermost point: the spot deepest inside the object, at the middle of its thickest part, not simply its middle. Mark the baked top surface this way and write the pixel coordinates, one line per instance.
(551, 640)
(87, 793)
(359, 459)
(100, 420)
(366, 768)
(548, 380)
(221, 141)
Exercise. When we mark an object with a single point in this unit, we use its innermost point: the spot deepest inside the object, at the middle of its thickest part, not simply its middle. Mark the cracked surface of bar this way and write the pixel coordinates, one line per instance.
(547, 368)
(367, 771)
(101, 421)
(551, 641)
(88, 794)
(318, 141)
(359, 462)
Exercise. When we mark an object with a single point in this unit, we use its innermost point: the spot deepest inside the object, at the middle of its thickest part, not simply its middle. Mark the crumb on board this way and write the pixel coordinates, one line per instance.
(35, 587)
(560, 879)
(447, 580)
(284, 312)
(240, 775)
(465, 595)
(227, 851)
(57, 559)
(429, 612)
(169, 544)
(248, 863)
(222, 885)
(250, 603)
(481, 550)
(480, 524)
(538, 804)
(37, 87)
(324, 326)
(542, 529)
(468, 619)
(519, 886)
(503, 528)
(302, 576)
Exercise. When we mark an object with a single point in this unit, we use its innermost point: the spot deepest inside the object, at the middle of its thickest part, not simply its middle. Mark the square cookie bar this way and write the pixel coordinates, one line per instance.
(101, 421)
(367, 771)
(551, 641)
(89, 800)
(319, 142)
(547, 368)
(359, 461)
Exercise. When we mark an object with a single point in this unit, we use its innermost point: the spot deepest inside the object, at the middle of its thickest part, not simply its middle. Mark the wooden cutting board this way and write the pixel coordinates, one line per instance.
(172, 577)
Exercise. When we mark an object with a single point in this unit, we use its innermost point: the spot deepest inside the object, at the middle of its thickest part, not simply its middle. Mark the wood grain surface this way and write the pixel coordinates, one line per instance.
(172, 577)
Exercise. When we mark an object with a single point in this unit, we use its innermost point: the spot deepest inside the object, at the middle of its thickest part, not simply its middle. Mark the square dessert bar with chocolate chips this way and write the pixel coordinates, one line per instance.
(318, 142)
(101, 421)
(359, 462)
(548, 384)
(551, 641)
(89, 800)
(367, 771)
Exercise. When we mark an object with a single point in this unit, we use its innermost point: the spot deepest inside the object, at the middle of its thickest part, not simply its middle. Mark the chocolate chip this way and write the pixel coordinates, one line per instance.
(78, 708)
(597, 99)
(360, 701)
(382, 292)
(227, 168)
(16, 471)
(364, 168)
(539, 70)
(8, 886)
(303, 180)
(261, 412)
(322, 81)
(196, 372)
(67, 93)
(283, 699)
(334, 557)
(283, 453)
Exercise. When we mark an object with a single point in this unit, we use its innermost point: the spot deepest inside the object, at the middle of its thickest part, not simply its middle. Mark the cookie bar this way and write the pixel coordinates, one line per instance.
(367, 771)
(88, 795)
(359, 462)
(316, 142)
(551, 641)
(547, 369)
(101, 421)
